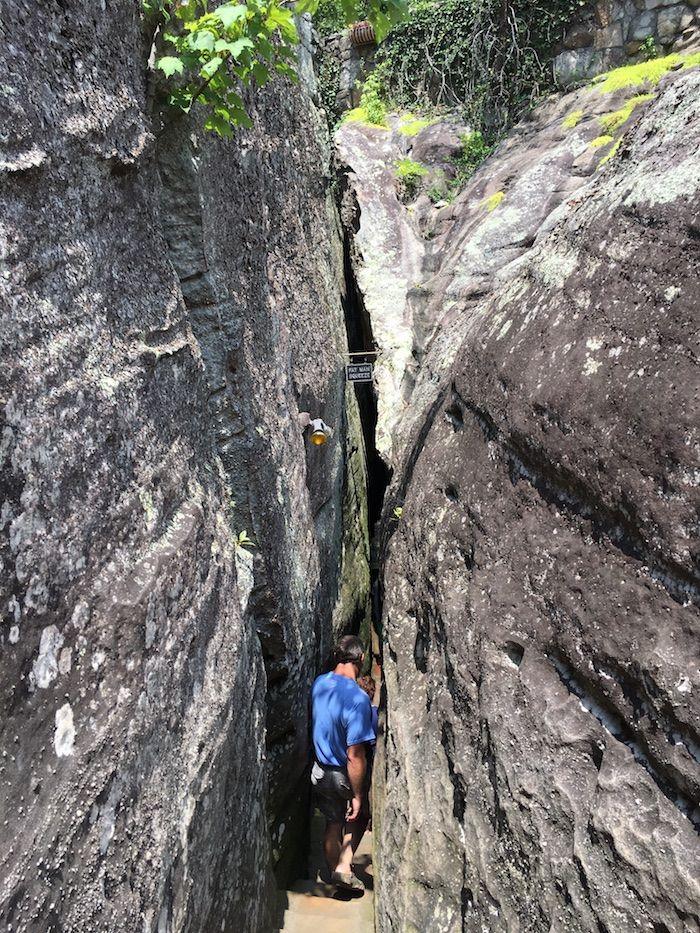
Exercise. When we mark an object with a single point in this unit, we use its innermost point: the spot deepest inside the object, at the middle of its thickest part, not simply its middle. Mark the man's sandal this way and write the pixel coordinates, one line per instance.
(347, 882)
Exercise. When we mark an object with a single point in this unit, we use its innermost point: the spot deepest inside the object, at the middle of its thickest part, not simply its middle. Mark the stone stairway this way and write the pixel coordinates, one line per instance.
(312, 906)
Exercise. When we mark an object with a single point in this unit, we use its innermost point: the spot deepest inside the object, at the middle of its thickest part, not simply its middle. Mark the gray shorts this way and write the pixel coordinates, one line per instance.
(332, 791)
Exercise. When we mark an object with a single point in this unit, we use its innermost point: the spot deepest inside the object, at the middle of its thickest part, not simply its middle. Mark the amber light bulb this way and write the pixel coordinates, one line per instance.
(318, 438)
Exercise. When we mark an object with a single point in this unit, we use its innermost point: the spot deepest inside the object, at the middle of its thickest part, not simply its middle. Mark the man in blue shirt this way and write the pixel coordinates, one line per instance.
(342, 723)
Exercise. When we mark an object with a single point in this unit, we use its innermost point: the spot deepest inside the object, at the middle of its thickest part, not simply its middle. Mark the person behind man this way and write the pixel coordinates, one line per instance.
(368, 684)
(341, 724)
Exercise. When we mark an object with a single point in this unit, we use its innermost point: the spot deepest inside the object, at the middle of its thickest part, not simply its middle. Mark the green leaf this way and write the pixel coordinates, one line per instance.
(211, 67)
(241, 118)
(181, 100)
(186, 12)
(265, 49)
(220, 123)
(231, 13)
(282, 19)
(203, 41)
(223, 45)
(239, 45)
(261, 73)
(284, 69)
(286, 51)
(349, 9)
(382, 24)
(168, 64)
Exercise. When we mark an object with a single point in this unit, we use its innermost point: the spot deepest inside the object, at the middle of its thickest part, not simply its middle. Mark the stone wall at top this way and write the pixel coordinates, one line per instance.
(351, 63)
(613, 32)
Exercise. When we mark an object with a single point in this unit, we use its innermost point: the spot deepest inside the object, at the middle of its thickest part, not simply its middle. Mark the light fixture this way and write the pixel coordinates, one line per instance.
(320, 432)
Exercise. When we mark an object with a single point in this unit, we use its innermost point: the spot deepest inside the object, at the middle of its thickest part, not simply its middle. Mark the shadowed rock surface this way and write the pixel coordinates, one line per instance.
(540, 625)
(160, 334)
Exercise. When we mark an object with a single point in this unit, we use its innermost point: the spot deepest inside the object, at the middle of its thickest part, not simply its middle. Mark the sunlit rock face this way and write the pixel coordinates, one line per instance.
(540, 764)
(167, 312)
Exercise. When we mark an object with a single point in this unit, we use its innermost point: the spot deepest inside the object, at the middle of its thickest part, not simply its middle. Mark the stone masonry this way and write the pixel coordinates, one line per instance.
(614, 32)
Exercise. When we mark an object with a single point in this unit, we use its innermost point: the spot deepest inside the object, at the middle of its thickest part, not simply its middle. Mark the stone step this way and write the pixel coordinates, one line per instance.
(312, 906)
(304, 923)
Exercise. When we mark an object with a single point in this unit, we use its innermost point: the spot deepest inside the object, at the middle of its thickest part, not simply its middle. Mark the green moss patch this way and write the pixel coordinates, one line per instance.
(611, 154)
(573, 119)
(492, 203)
(408, 168)
(611, 122)
(360, 115)
(601, 141)
(410, 125)
(643, 73)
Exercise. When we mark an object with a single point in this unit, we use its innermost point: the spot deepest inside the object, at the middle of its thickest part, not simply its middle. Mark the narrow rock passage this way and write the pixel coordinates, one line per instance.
(311, 904)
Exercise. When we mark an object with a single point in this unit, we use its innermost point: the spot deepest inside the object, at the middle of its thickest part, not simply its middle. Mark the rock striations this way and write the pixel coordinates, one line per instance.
(167, 312)
(540, 764)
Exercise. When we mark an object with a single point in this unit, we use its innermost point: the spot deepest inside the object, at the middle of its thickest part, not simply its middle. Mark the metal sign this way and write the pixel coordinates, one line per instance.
(359, 372)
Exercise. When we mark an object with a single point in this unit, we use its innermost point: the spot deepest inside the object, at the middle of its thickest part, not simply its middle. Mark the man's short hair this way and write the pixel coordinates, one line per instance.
(348, 650)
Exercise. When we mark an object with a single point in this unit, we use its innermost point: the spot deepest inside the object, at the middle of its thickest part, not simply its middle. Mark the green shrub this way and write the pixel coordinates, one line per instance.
(331, 17)
(474, 151)
(371, 99)
(372, 109)
(204, 57)
(409, 174)
(649, 49)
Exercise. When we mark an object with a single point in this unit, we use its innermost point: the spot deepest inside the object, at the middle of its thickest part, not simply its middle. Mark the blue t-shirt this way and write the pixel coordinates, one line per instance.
(342, 716)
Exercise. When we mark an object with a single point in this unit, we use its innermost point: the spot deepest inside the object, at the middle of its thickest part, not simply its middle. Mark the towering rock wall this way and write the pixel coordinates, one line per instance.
(254, 239)
(540, 761)
(166, 314)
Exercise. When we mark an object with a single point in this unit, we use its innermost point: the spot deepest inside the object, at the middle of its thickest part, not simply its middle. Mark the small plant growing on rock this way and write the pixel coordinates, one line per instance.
(409, 174)
(243, 542)
(440, 192)
(649, 49)
(372, 109)
(475, 150)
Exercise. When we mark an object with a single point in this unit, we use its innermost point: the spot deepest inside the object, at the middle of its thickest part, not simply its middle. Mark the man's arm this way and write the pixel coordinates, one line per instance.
(357, 765)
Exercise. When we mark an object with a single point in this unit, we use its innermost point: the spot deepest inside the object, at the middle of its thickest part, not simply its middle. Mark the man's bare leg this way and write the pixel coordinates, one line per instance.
(332, 844)
(350, 843)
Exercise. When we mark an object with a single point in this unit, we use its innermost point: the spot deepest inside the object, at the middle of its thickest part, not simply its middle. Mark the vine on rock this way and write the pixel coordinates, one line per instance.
(205, 57)
(488, 58)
